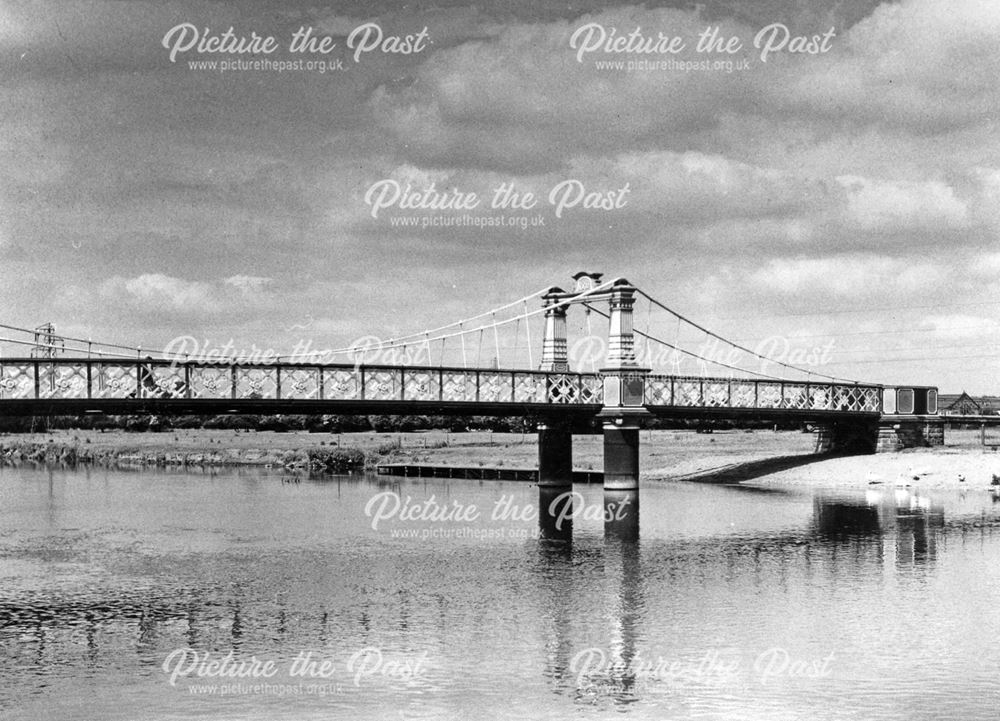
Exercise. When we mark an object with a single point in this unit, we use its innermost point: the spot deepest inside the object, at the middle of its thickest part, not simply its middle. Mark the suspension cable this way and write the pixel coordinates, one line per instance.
(738, 346)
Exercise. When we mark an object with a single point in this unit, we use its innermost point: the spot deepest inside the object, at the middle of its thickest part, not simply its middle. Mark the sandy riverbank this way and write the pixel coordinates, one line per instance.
(759, 457)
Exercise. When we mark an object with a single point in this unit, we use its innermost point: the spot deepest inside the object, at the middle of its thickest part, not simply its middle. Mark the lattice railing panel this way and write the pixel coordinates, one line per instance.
(795, 397)
(458, 386)
(687, 392)
(820, 397)
(420, 385)
(62, 381)
(716, 393)
(496, 387)
(113, 380)
(562, 388)
(856, 398)
(657, 392)
(743, 393)
(300, 383)
(211, 382)
(256, 383)
(591, 389)
(382, 385)
(17, 381)
(341, 384)
(529, 388)
(163, 382)
(769, 395)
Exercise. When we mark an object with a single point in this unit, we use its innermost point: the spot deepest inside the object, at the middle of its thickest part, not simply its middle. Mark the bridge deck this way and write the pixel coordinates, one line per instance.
(77, 385)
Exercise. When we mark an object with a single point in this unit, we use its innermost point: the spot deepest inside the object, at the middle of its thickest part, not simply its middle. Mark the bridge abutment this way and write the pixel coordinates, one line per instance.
(897, 434)
(846, 437)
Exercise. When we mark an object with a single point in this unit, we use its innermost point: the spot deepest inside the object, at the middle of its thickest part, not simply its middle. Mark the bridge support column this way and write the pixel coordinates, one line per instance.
(555, 455)
(621, 455)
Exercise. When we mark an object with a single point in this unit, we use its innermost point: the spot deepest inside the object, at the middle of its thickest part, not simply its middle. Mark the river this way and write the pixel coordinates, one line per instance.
(154, 594)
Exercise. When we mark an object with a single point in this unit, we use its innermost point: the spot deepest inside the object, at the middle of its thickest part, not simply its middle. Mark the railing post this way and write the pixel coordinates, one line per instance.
(277, 383)
(90, 393)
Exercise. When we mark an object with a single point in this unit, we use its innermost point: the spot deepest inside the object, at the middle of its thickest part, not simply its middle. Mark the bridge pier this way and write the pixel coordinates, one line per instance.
(621, 455)
(555, 455)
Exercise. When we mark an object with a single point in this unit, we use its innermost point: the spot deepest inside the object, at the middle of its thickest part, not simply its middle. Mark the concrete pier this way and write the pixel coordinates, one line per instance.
(621, 455)
(555, 455)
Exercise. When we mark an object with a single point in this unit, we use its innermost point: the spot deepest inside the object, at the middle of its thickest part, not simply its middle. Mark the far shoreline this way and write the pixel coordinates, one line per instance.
(763, 458)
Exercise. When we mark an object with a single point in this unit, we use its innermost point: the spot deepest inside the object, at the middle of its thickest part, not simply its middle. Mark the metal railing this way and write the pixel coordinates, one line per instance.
(100, 379)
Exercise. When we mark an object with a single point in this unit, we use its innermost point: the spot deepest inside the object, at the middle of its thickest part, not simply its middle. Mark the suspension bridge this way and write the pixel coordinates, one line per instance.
(623, 381)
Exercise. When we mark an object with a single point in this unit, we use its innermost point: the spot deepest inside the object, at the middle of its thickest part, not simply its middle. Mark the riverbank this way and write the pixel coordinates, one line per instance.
(760, 457)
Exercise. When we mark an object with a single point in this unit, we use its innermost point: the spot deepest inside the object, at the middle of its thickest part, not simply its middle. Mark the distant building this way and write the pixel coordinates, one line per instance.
(965, 405)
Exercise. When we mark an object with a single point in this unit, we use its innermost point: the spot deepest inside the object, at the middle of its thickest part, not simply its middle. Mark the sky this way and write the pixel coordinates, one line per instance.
(839, 207)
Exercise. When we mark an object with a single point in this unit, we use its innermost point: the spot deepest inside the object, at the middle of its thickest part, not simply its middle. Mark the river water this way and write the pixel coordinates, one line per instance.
(150, 594)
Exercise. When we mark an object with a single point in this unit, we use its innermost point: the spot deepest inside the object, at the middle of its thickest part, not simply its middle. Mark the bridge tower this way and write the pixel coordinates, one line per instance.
(623, 412)
(624, 391)
(555, 437)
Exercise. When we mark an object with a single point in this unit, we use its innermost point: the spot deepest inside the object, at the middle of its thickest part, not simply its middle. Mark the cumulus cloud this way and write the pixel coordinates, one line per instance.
(152, 291)
(902, 205)
(848, 276)
(156, 293)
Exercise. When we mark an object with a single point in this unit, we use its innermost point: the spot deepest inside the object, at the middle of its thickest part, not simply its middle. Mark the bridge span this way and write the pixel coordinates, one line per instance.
(622, 395)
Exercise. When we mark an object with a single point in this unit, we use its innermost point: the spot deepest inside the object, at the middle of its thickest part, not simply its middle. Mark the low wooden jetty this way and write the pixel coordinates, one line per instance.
(478, 473)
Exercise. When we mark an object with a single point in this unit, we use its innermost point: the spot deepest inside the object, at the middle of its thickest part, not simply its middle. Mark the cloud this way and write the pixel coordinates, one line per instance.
(154, 291)
(899, 206)
(922, 65)
(158, 293)
(858, 276)
(248, 284)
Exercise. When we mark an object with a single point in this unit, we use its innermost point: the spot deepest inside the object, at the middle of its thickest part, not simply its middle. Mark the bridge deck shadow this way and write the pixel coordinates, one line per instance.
(749, 470)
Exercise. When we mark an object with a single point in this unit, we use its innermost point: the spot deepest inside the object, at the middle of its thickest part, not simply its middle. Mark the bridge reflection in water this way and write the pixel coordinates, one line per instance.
(627, 595)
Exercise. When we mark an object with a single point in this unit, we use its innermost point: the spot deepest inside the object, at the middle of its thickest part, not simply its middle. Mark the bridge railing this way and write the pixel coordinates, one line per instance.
(28, 379)
(101, 379)
(698, 392)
